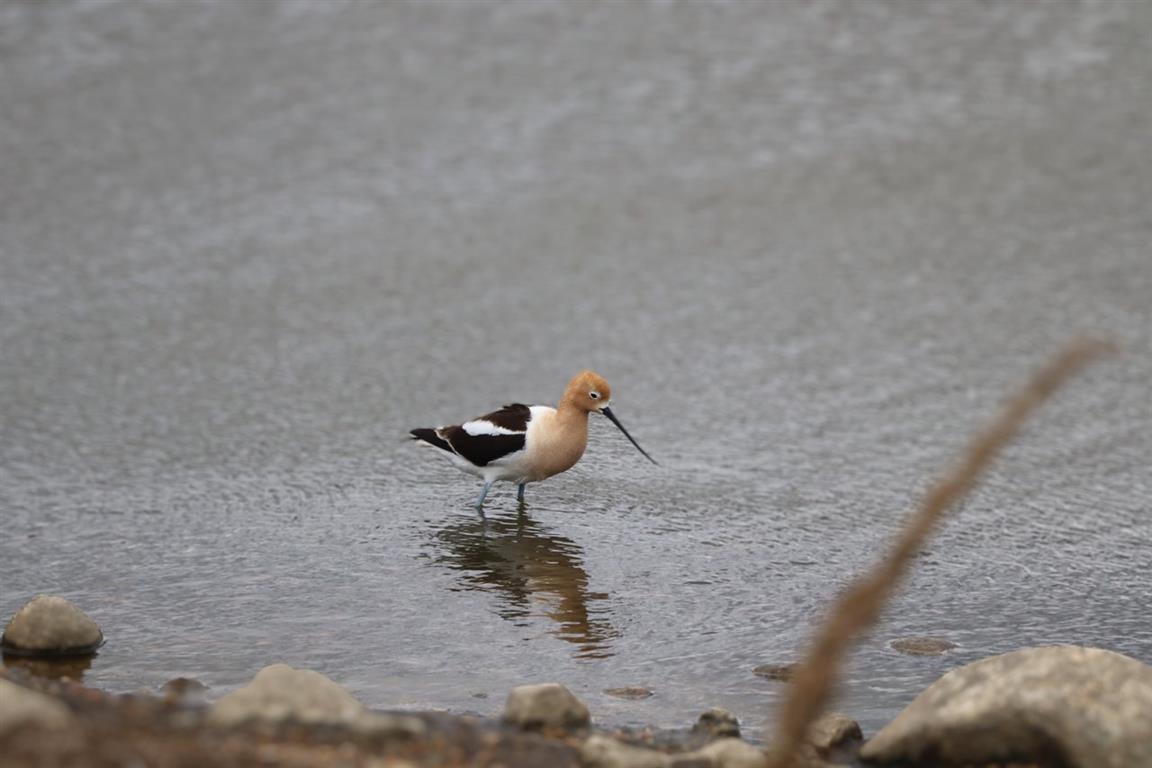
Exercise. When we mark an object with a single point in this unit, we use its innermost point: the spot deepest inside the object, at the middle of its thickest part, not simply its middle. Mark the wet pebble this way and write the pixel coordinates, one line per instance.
(184, 690)
(51, 626)
(717, 722)
(629, 692)
(781, 672)
(921, 646)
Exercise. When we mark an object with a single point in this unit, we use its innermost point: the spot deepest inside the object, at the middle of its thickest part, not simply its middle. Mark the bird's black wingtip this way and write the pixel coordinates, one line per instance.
(430, 436)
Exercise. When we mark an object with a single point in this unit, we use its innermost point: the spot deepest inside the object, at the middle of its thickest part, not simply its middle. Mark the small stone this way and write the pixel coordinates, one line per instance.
(184, 690)
(1087, 706)
(392, 725)
(834, 732)
(605, 752)
(729, 753)
(280, 692)
(717, 722)
(20, 707)
(547, 705)
(631, 692)
(780, 672)
(921, 646)
(51, 626)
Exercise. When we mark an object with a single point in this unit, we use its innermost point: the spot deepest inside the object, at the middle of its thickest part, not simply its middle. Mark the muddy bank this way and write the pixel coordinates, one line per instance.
(172, 728)
(1061, 706)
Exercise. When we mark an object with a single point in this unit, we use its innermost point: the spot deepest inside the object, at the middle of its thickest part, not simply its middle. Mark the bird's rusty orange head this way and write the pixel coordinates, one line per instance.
(588, 391)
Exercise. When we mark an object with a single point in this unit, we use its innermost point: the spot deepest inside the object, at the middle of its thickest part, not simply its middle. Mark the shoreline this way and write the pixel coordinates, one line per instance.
(176, 727)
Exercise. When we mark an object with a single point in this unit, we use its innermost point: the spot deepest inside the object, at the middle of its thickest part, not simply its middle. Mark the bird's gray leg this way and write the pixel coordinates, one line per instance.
(483, 493)
(520, 492)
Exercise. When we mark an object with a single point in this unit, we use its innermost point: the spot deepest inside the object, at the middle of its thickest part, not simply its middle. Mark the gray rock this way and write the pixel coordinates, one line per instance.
(392, 725)
(729, 753)
(279, 692)
(1079, 707)
(51, 626)
(548, 705)
(921, 646)
(184, 690)
(20, 707)
(835, 734)
(605, 752)
(717, 722)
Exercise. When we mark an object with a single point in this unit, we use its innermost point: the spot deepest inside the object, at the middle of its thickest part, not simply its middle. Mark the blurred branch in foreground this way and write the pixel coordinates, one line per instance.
(859, 607)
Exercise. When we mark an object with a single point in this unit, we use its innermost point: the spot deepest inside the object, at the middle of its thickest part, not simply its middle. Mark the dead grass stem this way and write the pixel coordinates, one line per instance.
(858, 608)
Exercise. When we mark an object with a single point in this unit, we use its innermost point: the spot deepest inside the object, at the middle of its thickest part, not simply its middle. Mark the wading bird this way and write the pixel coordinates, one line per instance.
(527, 443)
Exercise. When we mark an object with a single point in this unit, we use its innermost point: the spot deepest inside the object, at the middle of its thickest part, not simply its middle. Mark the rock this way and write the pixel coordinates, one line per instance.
(921, 646)
(729, 753)
(717, 722)
(392, 725)
(1077, 707)
(631, 692)
(20, 707)
(604, 752)
(281, 693)
(51, 626)
(548, 705)
(184, 690)
(781, 672)
(807, 756)
(835, 735)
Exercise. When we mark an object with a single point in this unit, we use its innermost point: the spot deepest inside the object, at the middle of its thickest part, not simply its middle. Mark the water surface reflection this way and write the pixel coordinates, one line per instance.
(55, 668)
(533, 572)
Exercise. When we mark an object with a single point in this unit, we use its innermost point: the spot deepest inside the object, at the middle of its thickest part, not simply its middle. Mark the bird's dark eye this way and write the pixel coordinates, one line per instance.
(594, 395)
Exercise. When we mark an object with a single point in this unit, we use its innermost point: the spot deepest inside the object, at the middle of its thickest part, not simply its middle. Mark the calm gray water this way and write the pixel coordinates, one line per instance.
(246, 246)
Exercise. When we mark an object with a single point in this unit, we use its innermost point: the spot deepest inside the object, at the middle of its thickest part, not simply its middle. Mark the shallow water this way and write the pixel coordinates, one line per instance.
(245, 247)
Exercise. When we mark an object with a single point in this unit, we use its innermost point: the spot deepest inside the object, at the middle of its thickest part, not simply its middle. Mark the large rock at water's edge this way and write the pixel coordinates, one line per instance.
(51, 626)
(280, 693)
(548, 705)
(1073, 706)
(20, 707)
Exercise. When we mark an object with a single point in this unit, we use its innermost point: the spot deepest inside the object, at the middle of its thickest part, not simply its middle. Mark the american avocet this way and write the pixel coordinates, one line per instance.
(527, 443)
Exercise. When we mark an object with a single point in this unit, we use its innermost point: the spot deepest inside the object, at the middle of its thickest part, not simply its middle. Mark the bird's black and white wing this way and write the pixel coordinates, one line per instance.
(494, 436)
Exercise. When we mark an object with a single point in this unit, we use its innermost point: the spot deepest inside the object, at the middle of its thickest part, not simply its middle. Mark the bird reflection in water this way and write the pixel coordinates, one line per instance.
(534, 572)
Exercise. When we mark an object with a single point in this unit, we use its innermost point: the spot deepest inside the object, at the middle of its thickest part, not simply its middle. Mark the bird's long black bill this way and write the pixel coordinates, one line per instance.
(612, 418)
